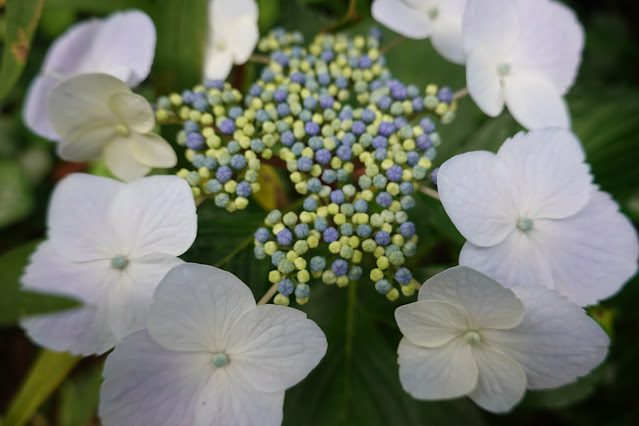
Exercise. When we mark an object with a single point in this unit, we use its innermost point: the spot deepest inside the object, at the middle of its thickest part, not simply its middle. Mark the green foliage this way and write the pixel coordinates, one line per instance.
(79, 397)
(15, 303)
(22, 20)
(48, 371)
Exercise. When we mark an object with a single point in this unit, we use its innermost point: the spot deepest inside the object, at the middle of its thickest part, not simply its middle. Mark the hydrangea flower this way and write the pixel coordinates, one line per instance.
(97, 116)
(441, 20)
(532, 216)
(468, 335)
(109, 245)
(233, 34)
(121, 45)
(523, 53)
(209, 356)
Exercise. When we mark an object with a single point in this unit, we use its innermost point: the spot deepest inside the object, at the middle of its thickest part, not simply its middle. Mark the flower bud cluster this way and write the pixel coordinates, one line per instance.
(352, 142)
(219, 136)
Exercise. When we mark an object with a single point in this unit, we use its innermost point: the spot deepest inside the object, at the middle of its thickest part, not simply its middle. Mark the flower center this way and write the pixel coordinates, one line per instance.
(433, 13)
(503, 69)
(221, 45)
(119, 262)
(122, 130)
(525, 224)
(472, 337)
(220, 359)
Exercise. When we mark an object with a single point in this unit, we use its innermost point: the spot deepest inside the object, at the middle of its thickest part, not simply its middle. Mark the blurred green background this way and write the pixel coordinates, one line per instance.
(356, 383)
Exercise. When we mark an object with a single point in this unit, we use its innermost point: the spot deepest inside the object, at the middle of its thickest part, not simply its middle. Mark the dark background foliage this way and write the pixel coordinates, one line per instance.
(356, 383)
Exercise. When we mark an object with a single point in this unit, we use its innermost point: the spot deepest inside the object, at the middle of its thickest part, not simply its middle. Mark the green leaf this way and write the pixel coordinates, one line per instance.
(181, 28)
(46, 374)
(569, 394)
(16, 193)
(15, 303)
(79, 398)
(22, 20)
(357, 382)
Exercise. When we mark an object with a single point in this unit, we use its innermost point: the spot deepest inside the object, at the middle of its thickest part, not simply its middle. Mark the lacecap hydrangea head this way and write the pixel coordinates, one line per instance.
(355, 142)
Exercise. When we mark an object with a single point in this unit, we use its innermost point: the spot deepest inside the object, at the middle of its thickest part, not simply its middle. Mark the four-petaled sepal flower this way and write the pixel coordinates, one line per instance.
(209, 356)
(468, 335)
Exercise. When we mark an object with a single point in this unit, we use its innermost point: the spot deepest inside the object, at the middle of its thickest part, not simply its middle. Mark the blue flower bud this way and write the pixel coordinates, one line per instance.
(320, 224)
(346, 229)
(317, 264)
(302, 291)
(403, 276)
(358, 128)
(394, 173)
(407, 229)
(337, 196)
(301, 230)
(227, 127)
(195, 141)
(287, 138)
(285, 237)
(382, 238)
(224, 173)
(274, 216)
(383, 286)
(339, 267)
(314, 184)
(433, 175)
(214, 186)
(330, 235)
(323, 156)
(238, 162)
(355, 273)
(277, 257)
(328, 176)
(243, 189)
(427, 125)
(258, 252)
(364, 231)
(285, 287)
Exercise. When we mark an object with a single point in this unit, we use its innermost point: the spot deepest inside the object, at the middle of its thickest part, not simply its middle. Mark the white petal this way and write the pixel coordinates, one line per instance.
(152, 150)
(402, 18)
(34, 111)
(275, 347)
(244, 38)
(483, 83)
(491, 26)
(430, 323)
(84, 330)
(593, 253)
(550, 42)
(155, 215)
(501, 383)
(130, 297)
(477, 193)
(229, 400)
(119, 159)
(50, 272)
(448, 371)
(549, 166)
(535, 102)
(146, 384)
(125, 40)
(217, 64)
(486, 303)
(195, 306)
(78, 105)
(64, 57)
(133, 110)
(555, 343)
(447, 38)
(78, 217)
(89, 145)
(223, 14)
(520, 259)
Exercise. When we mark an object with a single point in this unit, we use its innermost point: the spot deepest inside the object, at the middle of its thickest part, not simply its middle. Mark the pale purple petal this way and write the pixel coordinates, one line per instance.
(484, 84)
(402, 18)
(431, 323)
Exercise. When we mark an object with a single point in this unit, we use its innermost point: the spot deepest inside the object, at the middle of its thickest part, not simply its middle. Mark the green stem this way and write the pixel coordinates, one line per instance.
(351, 15)
(351, 306)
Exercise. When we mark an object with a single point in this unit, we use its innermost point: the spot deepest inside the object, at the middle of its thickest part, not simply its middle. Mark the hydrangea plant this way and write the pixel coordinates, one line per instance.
(354, 145)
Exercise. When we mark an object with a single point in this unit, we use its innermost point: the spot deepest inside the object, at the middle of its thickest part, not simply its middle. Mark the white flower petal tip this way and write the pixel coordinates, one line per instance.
(439, 19)
(109, 246)
(232, 36)
(468, 335)
(209, 353)
(121, 45)
(97, 116)
(525, 54)
(532, 216)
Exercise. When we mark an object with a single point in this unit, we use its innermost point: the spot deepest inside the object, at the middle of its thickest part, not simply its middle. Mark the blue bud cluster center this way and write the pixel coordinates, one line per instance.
(354, 141)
